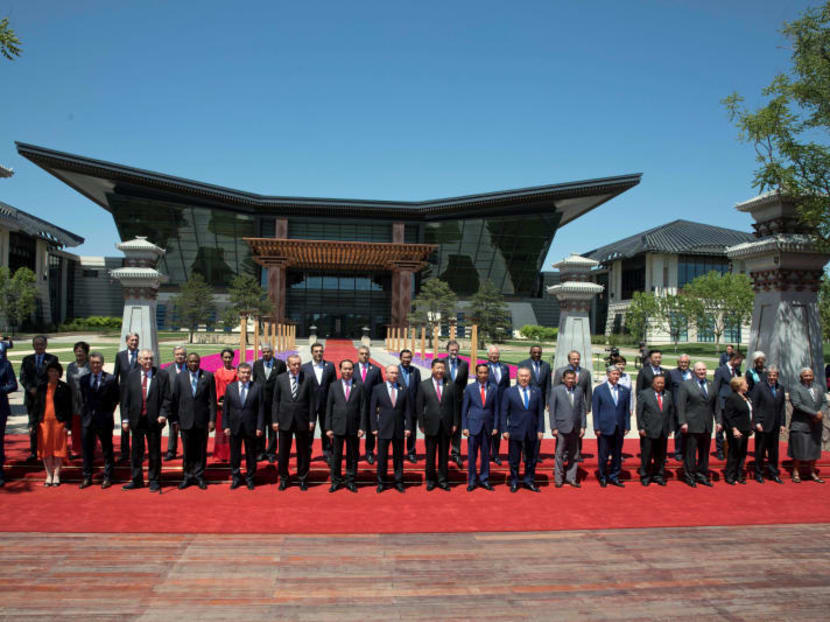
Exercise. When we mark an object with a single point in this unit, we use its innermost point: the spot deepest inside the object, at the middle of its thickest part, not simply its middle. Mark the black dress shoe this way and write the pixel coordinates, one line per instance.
(691, 483)
(2, 482)
(742, 481)
(660, 482)
(155, 487)
(760, 479)
(575, 484)
(132, 486)
(497, 460)
(558, 484)
(720, 456)
(272, 458)
(471, 487)
(235, 484)
(250, 485)
(412, 458)
(381, 488)
(776, 479)
(443, 485)
(303, 486)
(457, 459)
(645, 482)
(486, 486)
(706, 482)
(731, 482)
(184, 484)
(283, 484)
(168, 457)
(86, 483)
(334, 488)
(261, 457)
(430, 486)
(399, 487)
(514, 487)
(202, 484)
(617, 483)
(370, 458)
(602, 483)
(106, 483)
(532, 487)
(351, 487)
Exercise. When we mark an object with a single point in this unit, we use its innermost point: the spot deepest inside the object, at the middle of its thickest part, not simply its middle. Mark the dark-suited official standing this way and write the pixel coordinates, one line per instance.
(193, 406)
(32, 375)
(677, 377)
(369, 376)
(768, 419)
(243, 418)
(737, 424)
(583, 380)
(723, 375)
(697, 412)
(522, 413)
(265, 375)
(293, 416)
(390, 419)
(410, 378)
(145, 408)
(611, 412)
(500, 376)
(178, 365)
(458, 372)
(320, 374)
(345, 423)
(566, 410)
(438, 418)
(125, 361)
(655, 418)
(479, 422)
(99, 391)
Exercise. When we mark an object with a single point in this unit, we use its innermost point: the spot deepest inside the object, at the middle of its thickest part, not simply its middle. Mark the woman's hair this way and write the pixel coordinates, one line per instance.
(228, 350)
(55, 365)
(735, 383)
(83, 345)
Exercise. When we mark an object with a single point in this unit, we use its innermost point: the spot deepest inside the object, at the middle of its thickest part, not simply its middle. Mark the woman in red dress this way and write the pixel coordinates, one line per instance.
(50, 416)
(222, 377)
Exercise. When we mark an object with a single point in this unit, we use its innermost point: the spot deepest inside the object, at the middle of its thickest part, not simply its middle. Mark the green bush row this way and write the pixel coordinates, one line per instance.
(538, 333)
(94, 322)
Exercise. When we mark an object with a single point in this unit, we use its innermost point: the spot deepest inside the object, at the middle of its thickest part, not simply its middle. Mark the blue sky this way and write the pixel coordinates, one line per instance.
(396, 100)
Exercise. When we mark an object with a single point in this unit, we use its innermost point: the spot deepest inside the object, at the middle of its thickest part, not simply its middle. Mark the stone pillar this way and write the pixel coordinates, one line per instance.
(786, 268)
(574, 293)
(140, 281)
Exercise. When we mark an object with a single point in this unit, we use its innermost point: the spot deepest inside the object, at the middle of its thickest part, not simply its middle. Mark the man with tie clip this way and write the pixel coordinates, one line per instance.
(655, 414)
(345, 422)
(265, 375)
(769, 420)
(500, 376)
(100, 397)
(369, 376)
(458, 372)
(410, 378)
(243, 417)
(294, 414)
(611, 410)
(479, 422)
(567, 422)
(390, 419)
(723, 376)
(438, 419)
(144, 411)
(321, 374)
(173, 370)
(193, 406)
(125, 361)
(697, 410)
(677, 377)
(33, 374)
(522, 413)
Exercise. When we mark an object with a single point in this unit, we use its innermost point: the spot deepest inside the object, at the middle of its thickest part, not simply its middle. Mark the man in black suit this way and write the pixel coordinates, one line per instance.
(649, 371)
(99, 392)
(144, 410)
(727, 355)
(723, 376)
(500, 376)
(458, 372)
(410, 379)
(390, 419)
(125, 361)
(436, 410)
(244, 420)
(369, 376)
(346, 408)
(193, 406)
(677, 377)
(769, 421)
(655, 416)
(321, 374)
(697, 410)
(266, 371)
(293, 415)
(32, 374)
(178, 365)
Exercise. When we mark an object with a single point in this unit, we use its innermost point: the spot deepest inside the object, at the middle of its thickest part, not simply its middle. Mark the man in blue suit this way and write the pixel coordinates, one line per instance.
(479, 416)
(410, 378)
(611, 412)
(522, 412)
(8, 384)
(500, 376)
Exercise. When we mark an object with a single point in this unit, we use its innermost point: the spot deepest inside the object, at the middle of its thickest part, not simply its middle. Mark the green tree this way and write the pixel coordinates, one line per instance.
(489, 310)
(9, 43)
(676, 312)
(247, 295)
(824, 306)
(194, 303)
(725, 300)
(643, 310)
(789, 131)
(435, 303)
(18, 294)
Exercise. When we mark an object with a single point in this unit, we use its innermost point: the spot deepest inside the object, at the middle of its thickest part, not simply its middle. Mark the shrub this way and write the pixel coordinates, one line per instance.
(534, 332)
(93, 322)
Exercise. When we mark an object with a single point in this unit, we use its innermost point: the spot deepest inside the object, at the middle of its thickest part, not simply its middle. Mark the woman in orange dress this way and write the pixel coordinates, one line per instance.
(51, 415)
(222, 377)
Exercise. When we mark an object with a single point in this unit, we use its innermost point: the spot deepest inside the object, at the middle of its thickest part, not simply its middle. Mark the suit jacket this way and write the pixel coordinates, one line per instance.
(374, 377)
(805, 407)
(158, 397)
(753, 377)
(474, 416)
(193, 411)
(123, 368)
(768, 410)
(346, 417)
(563, 416)
(99, 404)
(390, 421)
(244, 419)
(723, 376)
(583, 381)
(31, 378)
(294, 413)
(675, 379)
(502, 384)
(736, 414)
(414, 382)
(656, 422)
(606, 415)
(62, 401)
(462, 375)
(697, 409)
(8, 384)
(543, 380)
(267, 383)
(522, 423)
(321, 389)
(436, 417)
(646, 376)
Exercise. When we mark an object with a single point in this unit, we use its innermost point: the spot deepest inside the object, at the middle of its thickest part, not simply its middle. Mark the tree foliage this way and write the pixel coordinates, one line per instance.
(18, 294)
(725, 300)
(248, 296)
(490, 312)
(791, 129)
(643, 309)
(194, 303)
(676, 312)
(9, 43)
(435, 303)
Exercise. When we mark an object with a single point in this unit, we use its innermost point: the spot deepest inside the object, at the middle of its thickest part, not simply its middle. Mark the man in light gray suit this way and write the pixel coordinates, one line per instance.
(807, 398)
(584, 381)
(566, 406)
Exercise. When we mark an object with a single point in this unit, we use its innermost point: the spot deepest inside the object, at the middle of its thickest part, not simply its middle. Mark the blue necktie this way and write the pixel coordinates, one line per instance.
(525, 398)
(772, 388)
(243, 394)
(703, 388)
(39, 360)
(193, 380)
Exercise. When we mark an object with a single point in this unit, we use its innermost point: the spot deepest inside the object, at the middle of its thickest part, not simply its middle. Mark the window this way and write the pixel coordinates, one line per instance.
(633, 276)
(90, 274)
(689, 267)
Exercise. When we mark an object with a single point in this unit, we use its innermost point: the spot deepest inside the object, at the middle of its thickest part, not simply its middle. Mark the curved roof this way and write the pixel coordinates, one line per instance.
(18, 220)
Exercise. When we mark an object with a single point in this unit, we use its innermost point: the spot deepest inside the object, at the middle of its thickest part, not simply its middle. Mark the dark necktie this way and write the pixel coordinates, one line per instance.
(144, 395)
(294, 387)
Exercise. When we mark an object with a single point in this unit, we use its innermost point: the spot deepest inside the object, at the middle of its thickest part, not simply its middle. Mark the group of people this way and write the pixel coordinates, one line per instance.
(267, 407)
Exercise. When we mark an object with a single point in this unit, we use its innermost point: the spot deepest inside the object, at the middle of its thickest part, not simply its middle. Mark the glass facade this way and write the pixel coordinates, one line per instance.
(633, 276)
(689, 267)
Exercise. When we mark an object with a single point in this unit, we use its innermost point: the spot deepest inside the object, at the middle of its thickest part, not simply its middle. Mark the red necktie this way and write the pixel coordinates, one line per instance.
(144, 394)
(438, 391)
(660, 402)
(394, 396)
(348, 390)
(483, 394)
(363, 373)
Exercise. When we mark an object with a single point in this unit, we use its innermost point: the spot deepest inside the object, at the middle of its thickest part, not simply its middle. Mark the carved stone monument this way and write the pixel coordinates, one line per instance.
(140, 281)
(786, 268)
(574, 293)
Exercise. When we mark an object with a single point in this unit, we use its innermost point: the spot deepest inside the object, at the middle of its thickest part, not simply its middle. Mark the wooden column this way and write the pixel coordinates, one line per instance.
(293, 336)
(452, 330)
(387, 341)
(412, 340)
(423, 342)
(276, 289)
(474, 346)
(435, 331)
(273, 326)
(243, 337)
(256, 337)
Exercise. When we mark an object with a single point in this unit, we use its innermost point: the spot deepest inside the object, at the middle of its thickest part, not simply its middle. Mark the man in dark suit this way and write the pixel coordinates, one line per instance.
(611, 413)
(265, 375)
(649, 371)
(321, 374)
(677, 377)
(390, 419)
(479, 422)
(243, 417)
(100, 397)
(410, 378)
(438, 417)
(522, 414)
(293, 416)
(125, 361)
(723, 376)
(145, 407)
(726, 356)
(697, 410)
(458, 372)
(346, 413)
(584, 381)
(369, 375)
(500, 376)
(178, 365)
(769, 421)
(568, 423)
(193, 406)
(655, 416)
(32, 374)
